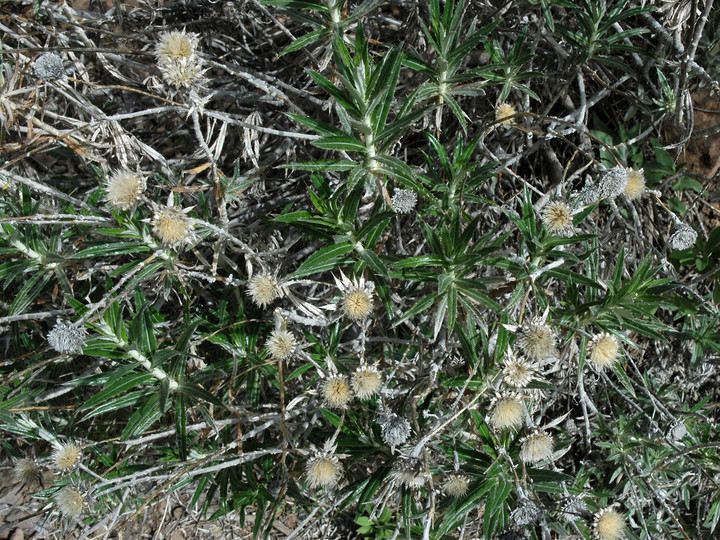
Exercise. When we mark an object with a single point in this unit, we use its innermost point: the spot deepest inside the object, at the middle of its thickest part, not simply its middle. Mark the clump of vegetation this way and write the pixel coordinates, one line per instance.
(376, 269)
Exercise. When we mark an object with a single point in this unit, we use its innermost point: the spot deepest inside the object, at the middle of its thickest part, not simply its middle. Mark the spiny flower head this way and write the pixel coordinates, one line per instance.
(507, 411)
(66, 457)
(336, 392)
(558, 218)
(635, 186)
(357, 297)
(605, 351)
(49, 67)
(517, 372)
(525, 512)
(537, 340)
(395, 430)
(67, 337)
(70, 502)
(456, 485)
(503, 111)
(26, 470)
(323, 470)
(409, 473)
(608, 524)
(176, 45)
(263, 289)
(366, 381)
(537, 446)
(281, 344)
(171, 226)
(683, 237)
(124, 188)
(404, 201)
(183, 73)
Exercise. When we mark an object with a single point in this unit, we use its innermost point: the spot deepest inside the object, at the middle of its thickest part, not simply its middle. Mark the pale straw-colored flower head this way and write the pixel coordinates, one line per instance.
(176, 45)
(517, 372)
(604, 351)
(281, 344)
(608, 524)
(558, 218)
(537, 340)
(456, 485)
(357, 297)
(263, 289)
(26, 470)
(336, 392)
(66, 457)
(183, 73)
(537, 446)
(507, 412)
(70, 502)
(366, 381)
(323, 470)
(410, 473)
(635, 186)
(124, 189)
(503, 112)
(171, 226)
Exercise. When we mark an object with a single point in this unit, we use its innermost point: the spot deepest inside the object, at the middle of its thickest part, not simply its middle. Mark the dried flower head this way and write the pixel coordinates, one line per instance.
(124, 189)
(610, 185)
(336, 392)
(67, 337)
(357, 297)
(174, 46)
(537, 340)
(70, 502)
(49, 67)
(635, 186)
(456, 485)
(558, 218)
(323, 470)
(395, 430)
(608, 524)
(683, 237)
(263, 289)
(281, 344)
(183, 73)
(366, 381)
(537, 446)
(525, 512)
(507, 411)
(409, 473)
(573, 509)
(605, 351)
(503, 112)
(517, 372)
(67, 457)
(26, 470)
(404, 201)
(171, 226)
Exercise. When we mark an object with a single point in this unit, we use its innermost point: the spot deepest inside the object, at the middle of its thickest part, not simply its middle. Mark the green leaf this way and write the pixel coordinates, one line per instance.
(322, 260)
(118, 385)
(337, 142)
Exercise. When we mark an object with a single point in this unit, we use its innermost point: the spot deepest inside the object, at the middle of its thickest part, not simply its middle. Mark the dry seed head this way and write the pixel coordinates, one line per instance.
(404, 201)
(517, 372)
(171, 226)
(456, 486)
(605, 351)
(508, 411)
(323, 470)
(263, 289)
(558, 218)
(683, 237)
(70, 502)
(635, 186)
(409, 473)
(67, 337)
(366, 382)
(608, 524)
(537, 340)
(336, 392)
(49, 67)
(537, 446)
(174, 46)
(26, 470)
(395, 430)
(504, 110)
(281, 344)
(525, 512)
(573, 509)
(67, 457)
(182, 73)
(124, 188)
